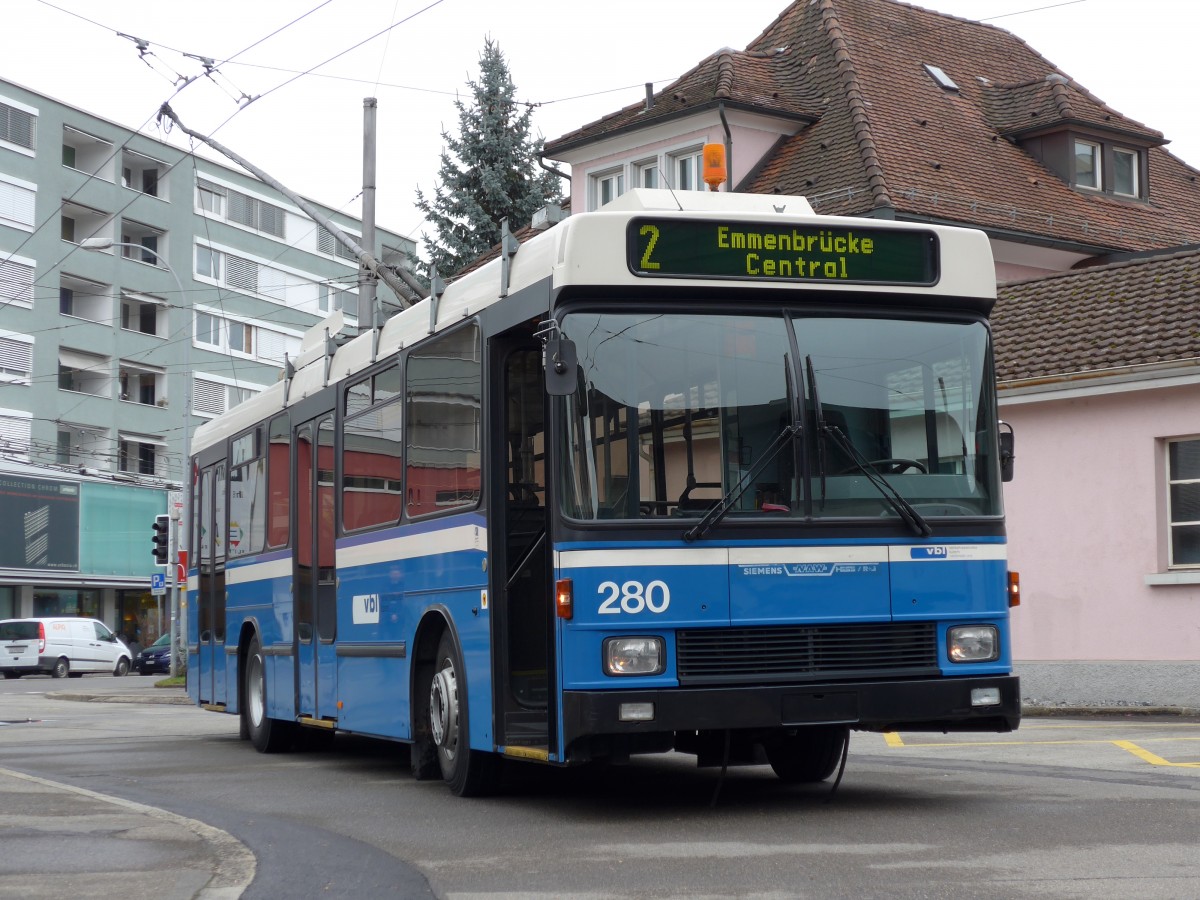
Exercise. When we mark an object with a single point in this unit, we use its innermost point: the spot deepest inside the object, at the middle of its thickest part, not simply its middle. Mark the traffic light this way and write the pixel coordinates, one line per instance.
(162, 539)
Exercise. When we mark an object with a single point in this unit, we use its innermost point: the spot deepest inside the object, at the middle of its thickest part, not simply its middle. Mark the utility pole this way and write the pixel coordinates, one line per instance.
(368, 312)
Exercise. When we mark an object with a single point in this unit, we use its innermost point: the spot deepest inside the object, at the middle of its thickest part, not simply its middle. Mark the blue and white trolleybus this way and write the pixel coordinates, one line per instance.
(701, 472)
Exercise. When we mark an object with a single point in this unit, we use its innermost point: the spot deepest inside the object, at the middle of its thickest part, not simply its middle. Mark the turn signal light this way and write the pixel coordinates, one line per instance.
(1014, 589)
(564, 598)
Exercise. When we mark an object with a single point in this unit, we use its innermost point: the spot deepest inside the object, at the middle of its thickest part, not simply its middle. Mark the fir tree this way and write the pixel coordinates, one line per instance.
(488, 173)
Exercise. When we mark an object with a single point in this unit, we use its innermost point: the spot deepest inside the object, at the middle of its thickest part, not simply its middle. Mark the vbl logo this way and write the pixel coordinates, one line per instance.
(930, 553)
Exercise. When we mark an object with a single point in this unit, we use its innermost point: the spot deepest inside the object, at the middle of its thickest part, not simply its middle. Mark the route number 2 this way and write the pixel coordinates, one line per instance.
(632, 597)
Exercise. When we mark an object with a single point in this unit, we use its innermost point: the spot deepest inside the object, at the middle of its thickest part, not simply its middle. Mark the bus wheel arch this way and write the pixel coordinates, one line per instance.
(248, 634)
(441, 714)
(266, 734)
(424, 655)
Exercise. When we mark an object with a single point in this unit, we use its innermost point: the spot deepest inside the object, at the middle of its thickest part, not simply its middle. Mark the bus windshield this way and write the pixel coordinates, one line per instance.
(676, 411)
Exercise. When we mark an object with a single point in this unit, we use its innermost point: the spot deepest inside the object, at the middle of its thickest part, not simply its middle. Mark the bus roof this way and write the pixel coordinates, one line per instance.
(599, 248)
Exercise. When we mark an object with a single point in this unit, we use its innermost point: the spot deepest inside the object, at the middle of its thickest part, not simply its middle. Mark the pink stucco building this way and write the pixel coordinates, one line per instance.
(963, 123)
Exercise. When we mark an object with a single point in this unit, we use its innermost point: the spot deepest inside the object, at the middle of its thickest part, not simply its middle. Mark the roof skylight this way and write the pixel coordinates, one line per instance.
(943, 80)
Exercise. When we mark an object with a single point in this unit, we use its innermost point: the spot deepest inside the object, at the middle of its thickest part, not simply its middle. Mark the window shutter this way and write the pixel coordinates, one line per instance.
(16, 283)
(271, 346)
(208, 397)
(241, 273)
(16, 358)
(15, 436)
(17, 126)
(325, 241)
(16, 204)
(271, 219)
(241, 208)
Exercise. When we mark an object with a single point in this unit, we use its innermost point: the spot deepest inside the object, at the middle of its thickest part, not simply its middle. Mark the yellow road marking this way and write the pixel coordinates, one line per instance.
(893, 739)
(1142, 753)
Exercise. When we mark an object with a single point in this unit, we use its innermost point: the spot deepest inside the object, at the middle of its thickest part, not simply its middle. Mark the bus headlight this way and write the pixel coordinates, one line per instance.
(972, 643)
(634, 656)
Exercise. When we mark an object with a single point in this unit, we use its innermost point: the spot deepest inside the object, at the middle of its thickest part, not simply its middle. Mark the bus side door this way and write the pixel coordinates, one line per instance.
(210, 599)
(316, 573)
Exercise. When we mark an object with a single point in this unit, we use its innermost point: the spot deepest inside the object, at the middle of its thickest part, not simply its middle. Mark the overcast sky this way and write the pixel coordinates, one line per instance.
(576, 61)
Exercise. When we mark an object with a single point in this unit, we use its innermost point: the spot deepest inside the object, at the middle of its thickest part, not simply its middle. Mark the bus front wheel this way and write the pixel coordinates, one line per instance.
(266, 734)
(468, 772)
(806, 755)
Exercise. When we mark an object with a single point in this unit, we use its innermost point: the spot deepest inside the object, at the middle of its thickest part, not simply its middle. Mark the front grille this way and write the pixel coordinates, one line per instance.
(806, 653)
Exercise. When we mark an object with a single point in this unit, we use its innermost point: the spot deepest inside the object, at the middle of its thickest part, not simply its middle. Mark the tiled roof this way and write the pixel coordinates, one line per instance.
(1016, 109)
(885, 138)
(766, 81)
(1137, 313)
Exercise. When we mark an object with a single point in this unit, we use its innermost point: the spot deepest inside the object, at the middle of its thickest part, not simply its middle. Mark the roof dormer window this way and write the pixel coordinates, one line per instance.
(1100, 166)
(1125, 173)
(1087, 165)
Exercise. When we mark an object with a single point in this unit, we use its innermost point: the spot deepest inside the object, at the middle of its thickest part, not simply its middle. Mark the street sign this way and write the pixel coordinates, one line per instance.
(158, 584)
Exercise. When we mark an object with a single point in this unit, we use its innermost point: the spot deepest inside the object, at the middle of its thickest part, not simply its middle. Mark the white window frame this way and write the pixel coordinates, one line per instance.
(1135, 170)
(1172, 481)
(693, 154)
(1097, 160)
(210, 189)
(614, 177)
(642, 167)
(12, 352)
(222, 324)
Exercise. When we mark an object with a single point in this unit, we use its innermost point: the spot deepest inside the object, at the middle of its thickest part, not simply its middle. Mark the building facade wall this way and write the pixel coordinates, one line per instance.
(131, 348)
(1087, 516)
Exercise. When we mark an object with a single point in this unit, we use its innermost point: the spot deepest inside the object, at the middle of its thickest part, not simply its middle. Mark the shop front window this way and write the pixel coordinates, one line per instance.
(66, 602)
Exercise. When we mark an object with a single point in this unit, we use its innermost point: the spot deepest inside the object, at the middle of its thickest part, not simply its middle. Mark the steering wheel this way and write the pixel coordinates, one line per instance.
(891, 466)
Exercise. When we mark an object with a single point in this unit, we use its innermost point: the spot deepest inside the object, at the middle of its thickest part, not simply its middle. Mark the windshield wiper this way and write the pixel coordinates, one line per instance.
(717, 513)
(913, 519)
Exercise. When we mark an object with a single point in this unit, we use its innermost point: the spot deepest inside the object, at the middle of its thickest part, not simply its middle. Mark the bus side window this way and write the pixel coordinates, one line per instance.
(279, 465)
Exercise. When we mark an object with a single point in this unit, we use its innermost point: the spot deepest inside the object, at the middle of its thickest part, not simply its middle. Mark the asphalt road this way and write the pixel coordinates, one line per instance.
(1062, 808)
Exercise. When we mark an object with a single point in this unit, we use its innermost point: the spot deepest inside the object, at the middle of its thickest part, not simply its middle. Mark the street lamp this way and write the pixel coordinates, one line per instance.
(99, 243)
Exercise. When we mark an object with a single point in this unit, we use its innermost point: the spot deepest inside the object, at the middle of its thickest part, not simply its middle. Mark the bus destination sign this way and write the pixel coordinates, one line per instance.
(771, 251)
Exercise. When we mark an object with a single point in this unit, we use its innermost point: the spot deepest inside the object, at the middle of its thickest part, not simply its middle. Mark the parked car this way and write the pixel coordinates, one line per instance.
(60, 647)
(156, 657)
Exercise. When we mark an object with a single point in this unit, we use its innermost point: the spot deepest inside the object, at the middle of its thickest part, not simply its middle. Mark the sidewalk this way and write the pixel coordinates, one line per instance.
(60, 840)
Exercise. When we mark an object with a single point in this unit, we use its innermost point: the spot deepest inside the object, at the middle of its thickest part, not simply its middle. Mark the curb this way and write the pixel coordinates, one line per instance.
(1036, 712)
(170, 696)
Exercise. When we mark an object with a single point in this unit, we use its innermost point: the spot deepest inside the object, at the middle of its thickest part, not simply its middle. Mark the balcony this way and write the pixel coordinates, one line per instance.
(84, 373)
(87, 153)
(84, 299)
(145, 385)
(143, 174)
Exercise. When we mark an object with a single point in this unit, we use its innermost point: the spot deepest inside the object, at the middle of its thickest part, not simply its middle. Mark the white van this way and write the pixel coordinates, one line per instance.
(60, 647)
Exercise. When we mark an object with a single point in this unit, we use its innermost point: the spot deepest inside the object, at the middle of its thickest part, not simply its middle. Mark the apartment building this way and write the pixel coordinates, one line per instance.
(143, 289)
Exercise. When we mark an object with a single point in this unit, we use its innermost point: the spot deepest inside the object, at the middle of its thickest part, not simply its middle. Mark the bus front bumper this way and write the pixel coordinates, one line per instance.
(940, 704)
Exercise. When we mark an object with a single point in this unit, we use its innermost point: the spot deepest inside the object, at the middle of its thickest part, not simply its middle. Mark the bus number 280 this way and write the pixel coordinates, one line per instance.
(633, 597)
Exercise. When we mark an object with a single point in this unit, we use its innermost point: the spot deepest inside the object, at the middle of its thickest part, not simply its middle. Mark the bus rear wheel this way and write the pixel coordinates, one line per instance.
(266, 734)
(806, 755)
(468, 772)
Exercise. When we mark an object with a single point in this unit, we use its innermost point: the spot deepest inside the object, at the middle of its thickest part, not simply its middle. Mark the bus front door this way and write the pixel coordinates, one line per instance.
(315, 576)
(521, 584)
(210, 599)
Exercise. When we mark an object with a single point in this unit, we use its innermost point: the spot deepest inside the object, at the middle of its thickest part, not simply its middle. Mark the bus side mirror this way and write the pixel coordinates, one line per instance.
(1008, 452)
(562, 365)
